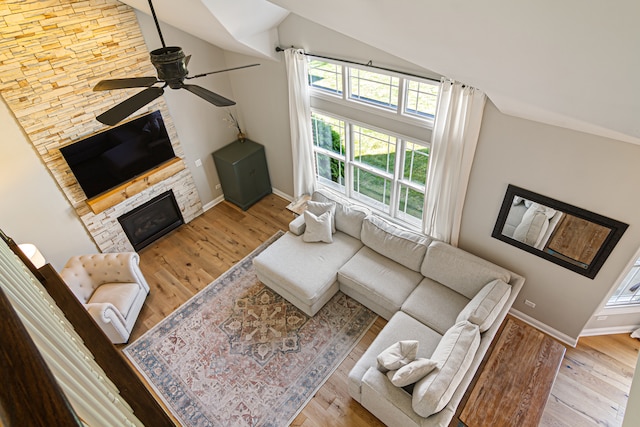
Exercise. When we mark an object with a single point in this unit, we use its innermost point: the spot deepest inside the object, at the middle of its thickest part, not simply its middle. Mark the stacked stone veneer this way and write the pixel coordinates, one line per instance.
(52, 53)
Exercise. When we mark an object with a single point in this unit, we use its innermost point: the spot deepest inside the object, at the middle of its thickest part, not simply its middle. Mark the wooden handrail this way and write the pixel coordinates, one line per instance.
(145, 407)
(30, 394)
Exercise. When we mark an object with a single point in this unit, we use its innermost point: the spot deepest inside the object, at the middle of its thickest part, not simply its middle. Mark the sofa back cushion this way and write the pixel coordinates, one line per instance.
(461, 271)
(454, 355)
(348, 216)
(484, 308)
(402, 246)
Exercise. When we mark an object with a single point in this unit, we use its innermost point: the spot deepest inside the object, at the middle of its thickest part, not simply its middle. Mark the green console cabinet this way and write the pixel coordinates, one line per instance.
(243, 172)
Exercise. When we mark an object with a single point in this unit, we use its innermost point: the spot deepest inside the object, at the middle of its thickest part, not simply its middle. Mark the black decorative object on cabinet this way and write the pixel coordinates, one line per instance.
(243, 172)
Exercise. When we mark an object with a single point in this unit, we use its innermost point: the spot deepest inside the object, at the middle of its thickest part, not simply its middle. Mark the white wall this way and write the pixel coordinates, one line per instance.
(34, 210)
(587, 171)
(200, 125)
(262, 93)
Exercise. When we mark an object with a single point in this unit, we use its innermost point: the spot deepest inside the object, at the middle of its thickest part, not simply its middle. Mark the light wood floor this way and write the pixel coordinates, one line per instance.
(591, 388)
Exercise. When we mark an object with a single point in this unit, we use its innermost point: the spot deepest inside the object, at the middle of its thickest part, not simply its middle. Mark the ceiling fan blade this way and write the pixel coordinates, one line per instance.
(129, 106)
(222, 71)
(125, 83)
(207, 95)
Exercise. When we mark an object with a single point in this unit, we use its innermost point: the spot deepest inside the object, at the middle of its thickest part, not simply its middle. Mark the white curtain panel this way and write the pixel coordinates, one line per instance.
(453, 145)
(304, 178)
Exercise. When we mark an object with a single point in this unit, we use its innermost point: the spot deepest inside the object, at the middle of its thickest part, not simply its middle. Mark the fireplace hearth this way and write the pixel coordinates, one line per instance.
(152, 220)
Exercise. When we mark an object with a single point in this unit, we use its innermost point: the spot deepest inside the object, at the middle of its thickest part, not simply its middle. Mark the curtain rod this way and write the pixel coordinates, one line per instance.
(368, 64)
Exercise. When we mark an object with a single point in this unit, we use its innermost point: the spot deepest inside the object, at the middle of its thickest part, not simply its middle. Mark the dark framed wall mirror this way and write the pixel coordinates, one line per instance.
(564, 234)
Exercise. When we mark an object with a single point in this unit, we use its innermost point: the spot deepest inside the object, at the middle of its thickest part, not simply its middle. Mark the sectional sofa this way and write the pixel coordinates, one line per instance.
(444, 303)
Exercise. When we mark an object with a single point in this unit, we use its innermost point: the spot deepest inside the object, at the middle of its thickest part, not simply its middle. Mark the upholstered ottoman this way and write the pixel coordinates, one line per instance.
(305, 274)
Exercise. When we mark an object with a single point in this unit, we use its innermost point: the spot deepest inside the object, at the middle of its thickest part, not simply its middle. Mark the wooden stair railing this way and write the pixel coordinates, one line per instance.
(143, 403)
(30, 395)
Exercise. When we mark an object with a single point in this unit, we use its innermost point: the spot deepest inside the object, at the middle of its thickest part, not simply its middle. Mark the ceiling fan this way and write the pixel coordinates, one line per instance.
(171, 65)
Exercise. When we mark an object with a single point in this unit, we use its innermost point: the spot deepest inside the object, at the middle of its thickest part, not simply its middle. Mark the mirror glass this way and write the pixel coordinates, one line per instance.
(575, 238)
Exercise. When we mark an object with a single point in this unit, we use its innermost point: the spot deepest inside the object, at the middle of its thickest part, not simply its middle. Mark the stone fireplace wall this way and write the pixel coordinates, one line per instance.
(52, 53)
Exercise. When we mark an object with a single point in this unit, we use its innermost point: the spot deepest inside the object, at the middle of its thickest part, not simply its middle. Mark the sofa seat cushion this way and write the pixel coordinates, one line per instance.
(121, 295)
(377, 282)
(402, 246)
(400, 327)
(485, 307)
(389, 403)
(435, 305)
(463, 272)
(454, 355)
(304, 273)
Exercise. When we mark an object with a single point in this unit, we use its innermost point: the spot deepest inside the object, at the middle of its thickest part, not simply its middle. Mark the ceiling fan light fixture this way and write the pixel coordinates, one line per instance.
(171, 64)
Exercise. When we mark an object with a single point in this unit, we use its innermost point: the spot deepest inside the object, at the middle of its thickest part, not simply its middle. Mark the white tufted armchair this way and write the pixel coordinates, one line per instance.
(111, 287)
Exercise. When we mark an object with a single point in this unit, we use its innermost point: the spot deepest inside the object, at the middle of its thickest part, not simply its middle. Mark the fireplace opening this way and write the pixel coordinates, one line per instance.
(152, 220)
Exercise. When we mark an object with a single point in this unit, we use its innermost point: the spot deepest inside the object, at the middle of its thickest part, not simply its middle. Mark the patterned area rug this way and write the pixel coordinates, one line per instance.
(238, 354)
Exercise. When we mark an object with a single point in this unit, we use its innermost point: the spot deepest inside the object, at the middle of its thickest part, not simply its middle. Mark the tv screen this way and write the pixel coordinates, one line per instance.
(117, 155)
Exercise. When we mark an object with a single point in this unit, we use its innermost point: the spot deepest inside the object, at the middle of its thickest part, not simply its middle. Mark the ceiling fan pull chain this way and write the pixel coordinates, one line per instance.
(155, 19)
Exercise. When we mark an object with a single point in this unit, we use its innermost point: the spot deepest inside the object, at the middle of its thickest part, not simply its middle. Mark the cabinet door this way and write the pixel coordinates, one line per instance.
(243, 172)
(253, 177)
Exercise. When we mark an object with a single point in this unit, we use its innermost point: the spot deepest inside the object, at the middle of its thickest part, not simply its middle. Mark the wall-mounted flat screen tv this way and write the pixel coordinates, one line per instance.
(107, 159)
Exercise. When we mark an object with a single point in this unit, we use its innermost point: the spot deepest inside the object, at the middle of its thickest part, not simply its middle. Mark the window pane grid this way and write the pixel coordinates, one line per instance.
(372, 189)
(421, 99)
(411, 203)
(379, 168)
(629, 290)
(325, 76)
(416, 162)
(329, 170)
(328, 133)
(374, 148)
(374, 88)
(329, 150)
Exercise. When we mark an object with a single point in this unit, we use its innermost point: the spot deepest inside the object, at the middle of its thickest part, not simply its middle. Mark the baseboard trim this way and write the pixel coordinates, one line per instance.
(562, 337)
(611, 330)
(212, 203)
(281, 194)
(220, 199)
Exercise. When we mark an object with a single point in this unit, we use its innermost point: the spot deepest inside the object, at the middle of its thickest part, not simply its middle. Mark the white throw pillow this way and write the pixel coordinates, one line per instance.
(317, 228)
(318, 208)
(397, 355)
(454, 355)
(412, 372)
(484, 308)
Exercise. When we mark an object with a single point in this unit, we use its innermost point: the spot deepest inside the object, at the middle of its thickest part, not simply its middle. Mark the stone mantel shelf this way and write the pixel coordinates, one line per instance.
(137, 185)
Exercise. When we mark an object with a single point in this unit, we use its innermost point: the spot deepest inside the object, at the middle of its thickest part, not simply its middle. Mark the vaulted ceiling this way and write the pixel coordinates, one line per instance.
(574, 63)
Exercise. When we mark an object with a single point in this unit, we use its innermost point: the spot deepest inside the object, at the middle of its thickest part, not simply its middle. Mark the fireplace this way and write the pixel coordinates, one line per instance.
(152, 220)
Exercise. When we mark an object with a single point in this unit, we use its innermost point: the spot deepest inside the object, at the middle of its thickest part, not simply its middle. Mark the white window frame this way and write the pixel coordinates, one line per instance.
(350, 164)
(340, 106)
(620, 309)
(344, 98)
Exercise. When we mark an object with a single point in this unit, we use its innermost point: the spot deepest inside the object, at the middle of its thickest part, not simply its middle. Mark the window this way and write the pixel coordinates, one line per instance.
(628, 293)
(373, 88)
(421, 99)
(384, 171)
(360, 145)
(325, 76)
